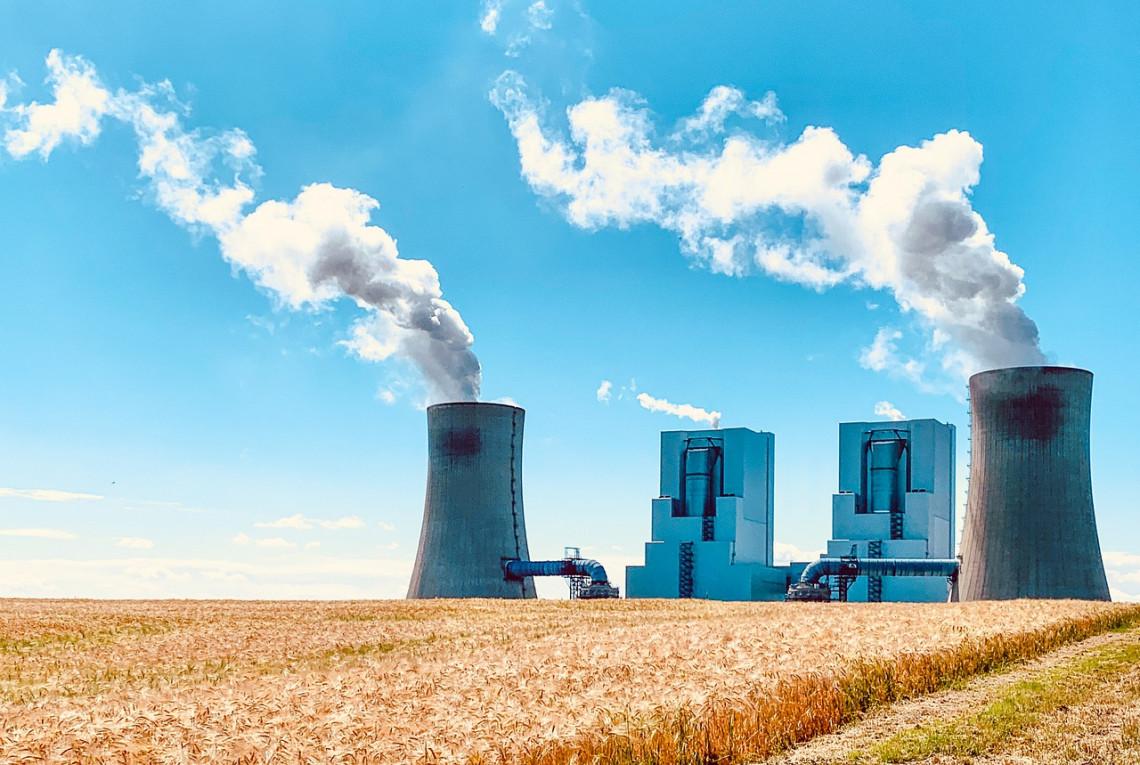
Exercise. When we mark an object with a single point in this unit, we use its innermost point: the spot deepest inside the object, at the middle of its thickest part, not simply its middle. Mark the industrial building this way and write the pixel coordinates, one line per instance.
(711, 526)
(1030, 530)
(896, 501)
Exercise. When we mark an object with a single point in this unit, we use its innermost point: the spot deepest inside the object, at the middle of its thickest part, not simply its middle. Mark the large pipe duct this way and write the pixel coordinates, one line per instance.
(473, 511)
(878, 567)
(520, 569)
(1030, 530)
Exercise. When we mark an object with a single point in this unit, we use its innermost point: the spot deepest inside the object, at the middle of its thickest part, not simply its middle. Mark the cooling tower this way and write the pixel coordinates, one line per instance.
(473, 513)
(1030, 530)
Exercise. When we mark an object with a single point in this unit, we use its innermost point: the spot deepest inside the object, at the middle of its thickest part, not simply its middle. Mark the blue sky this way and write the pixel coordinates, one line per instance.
(604, 192)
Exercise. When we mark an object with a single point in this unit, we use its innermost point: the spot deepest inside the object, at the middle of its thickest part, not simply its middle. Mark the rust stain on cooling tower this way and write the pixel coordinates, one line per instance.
(1035, 415)
(1030, 530)
(464, 442)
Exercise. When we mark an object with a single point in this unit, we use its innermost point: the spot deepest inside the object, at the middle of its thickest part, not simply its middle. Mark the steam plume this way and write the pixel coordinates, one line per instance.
(808, 212)
(306, 252)
(889, 410)
(684, 411)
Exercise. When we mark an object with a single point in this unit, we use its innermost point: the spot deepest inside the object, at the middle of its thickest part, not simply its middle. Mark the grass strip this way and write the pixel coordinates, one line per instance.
(1017, 709)
(770, 720)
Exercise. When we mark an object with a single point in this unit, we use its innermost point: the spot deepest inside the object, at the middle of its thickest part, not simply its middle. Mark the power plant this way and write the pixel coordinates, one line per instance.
(1030, 530)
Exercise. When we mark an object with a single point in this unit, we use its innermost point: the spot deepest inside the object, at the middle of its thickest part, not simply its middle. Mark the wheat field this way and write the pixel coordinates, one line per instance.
(473, 681)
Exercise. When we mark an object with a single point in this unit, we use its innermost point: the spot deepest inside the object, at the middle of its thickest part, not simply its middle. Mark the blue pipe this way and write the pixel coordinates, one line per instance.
(517, 569)
(879, 567)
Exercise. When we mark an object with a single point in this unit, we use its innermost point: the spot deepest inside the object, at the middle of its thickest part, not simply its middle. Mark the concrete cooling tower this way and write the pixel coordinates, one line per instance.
(473, 513)
(1030, 530)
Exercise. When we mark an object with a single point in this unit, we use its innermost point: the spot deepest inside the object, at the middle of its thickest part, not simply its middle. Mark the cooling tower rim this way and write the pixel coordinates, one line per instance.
(479, 404)
(1039, 368)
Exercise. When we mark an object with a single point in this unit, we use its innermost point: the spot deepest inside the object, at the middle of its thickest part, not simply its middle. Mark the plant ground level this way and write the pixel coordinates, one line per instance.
(1078, 704)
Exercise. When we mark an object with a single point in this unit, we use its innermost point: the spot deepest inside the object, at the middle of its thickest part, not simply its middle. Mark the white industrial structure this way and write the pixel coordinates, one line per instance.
(712, 525)
(895, 500)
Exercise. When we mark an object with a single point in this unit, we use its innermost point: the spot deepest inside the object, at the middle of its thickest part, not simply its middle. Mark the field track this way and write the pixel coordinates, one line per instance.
(484, 681)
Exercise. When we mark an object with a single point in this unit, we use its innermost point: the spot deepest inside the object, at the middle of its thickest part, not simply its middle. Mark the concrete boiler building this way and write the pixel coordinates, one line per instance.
(895, 500)
(712, 524)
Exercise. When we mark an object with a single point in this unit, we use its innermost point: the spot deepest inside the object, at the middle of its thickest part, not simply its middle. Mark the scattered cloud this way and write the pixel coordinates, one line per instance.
(604, 391)
(48, 495)
(810, 212)
(312, 545)
(386, 526)
(303, 576)
(135, 543)
(297, 521)
(346, 522)
(888, 410)
(1123, 572)
(684, 411)
(489, 20)
(39, 533)
(241, 540)
(784, 553)
(275, 543)
(539, 15)
(309, 252)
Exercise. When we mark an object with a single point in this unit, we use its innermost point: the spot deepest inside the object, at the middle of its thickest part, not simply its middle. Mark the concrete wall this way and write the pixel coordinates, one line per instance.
(1030, 529)
(473, 511)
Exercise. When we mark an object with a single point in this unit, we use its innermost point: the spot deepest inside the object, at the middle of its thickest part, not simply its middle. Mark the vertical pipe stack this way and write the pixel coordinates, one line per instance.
(1030, 530)
(473, 511)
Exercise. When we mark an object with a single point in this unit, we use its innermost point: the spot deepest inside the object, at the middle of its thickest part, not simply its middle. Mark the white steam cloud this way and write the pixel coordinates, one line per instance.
(684, 411)
(605, 391)
(306, 252)
(888, 410)
(808, 212)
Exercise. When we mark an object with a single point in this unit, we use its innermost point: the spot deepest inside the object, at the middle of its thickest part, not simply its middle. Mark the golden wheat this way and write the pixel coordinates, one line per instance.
(474, 681)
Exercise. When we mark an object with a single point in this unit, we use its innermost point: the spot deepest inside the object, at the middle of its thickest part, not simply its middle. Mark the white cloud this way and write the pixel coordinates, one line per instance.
(1123, 572)
(888, 410)
(297, 521)
(300, 522)
(318, 248)
(386, 526)
(539, 15)
(489, 21)
(346, 522)
(39, 533)
(809, 211)
(135, 543)
(784, 553)
(47, 495)
(882, 356)
(1117, 559)
(308, 576)
(312, 545)
(79, 105)
(241, 540)
(1119, 596)
(604, 391)
(684, 411)
(275, 543)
